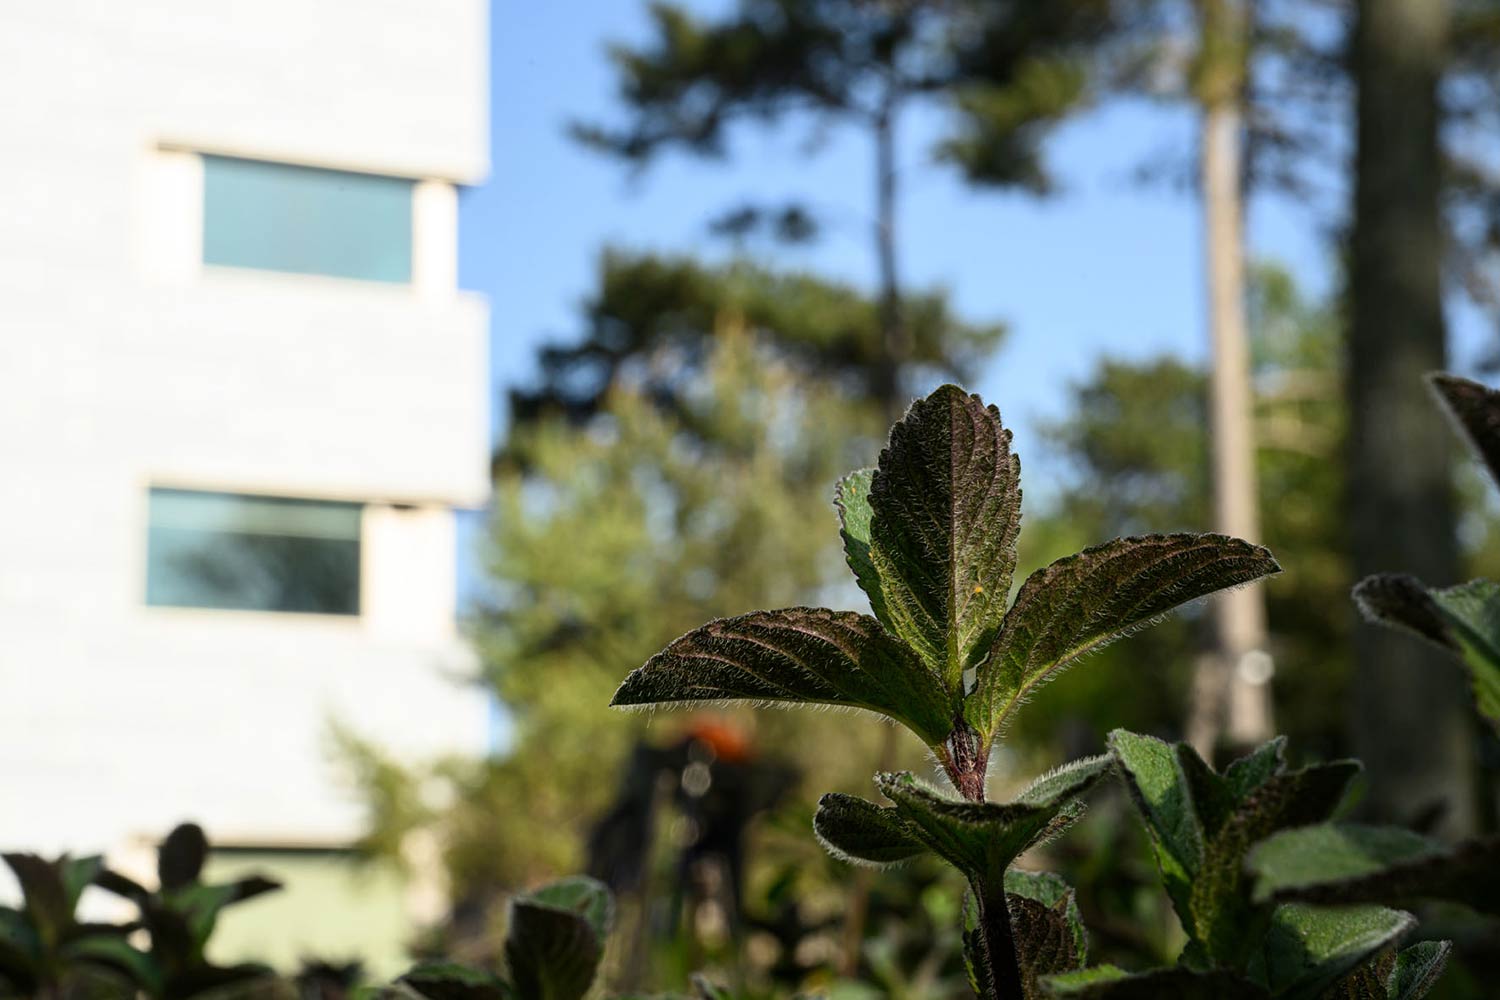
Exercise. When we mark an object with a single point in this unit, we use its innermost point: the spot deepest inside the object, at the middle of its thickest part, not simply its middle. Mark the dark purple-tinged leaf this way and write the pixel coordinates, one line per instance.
(179, 860)
(800, 655)
(860, 832)
(1043, 938)
(1080, 603)
(981, 839)
(1054, 893)
(1402, 601)
(1107, 982)
(946, 512)
(1339, 863)
(1476, 411)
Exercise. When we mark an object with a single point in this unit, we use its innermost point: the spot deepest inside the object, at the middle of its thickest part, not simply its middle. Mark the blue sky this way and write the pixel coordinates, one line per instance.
(1107, 266)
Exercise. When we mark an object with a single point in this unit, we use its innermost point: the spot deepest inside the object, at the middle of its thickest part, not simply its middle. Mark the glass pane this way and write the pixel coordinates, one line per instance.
(280, 217)
(223, 550)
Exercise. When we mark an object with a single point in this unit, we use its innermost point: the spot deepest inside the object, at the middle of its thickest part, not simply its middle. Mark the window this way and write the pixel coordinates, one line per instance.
(280, 217)
(224, 550)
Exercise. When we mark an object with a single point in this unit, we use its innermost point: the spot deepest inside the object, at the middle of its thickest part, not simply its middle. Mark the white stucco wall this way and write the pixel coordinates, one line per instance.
(125, 364)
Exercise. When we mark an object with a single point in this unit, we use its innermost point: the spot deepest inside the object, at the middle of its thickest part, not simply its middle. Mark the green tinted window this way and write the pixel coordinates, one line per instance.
(223, 550)
(279, 217)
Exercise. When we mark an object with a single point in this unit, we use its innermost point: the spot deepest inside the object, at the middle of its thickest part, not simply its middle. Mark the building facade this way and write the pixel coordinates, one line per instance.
(241, 396)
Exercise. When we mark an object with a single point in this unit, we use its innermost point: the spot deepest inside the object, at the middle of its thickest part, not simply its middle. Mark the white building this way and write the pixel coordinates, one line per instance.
(240, 397)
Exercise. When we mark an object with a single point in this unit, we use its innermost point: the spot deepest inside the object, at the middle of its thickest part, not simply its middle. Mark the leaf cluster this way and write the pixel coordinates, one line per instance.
(930, 535)
(44, 946)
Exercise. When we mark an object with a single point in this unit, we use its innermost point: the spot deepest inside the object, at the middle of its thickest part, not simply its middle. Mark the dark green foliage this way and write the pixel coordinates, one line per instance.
(180, 917)
(1203, 825)
(1349, 863)
(552, 951)
(44, 947)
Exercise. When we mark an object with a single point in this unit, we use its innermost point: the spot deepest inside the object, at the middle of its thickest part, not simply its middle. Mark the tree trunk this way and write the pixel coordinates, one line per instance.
(1409, 718)
(1232, 685)
(895, 348)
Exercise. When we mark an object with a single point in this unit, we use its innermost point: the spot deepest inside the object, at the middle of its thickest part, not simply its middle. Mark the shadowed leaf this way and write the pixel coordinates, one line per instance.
(946, 503)
(44, 895)
(860, 832)
(112, 951)
(1350, 863)
(1464, 619)
(1054, 893)
(442, 980)
(555, 940)
(1418, 969)
(801, 655)
(1476, 410)
(1084, 601)
(1044, 940)
(1154, 776)
(1308, 949)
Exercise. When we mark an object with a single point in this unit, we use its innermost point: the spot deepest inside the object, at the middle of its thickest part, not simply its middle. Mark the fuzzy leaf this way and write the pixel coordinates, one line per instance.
(1044, 940)
(1418, 969)
(1476, 410)
(946, 503)
(852, 499)
(1159, 787)
(1080, 603)
(1054, 893)
(556, 939)
(800, 655)
(981, 839)
(1249, 772)
(1350, 863)
(1222, 912)
(861, 832)
(1106, 982)
(1307, 949)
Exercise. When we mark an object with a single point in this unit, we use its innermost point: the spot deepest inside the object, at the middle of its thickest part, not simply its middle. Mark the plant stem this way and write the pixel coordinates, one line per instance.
(997, 944)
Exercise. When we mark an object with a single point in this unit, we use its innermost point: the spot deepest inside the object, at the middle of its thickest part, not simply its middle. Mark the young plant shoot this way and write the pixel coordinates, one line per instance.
(930, 535)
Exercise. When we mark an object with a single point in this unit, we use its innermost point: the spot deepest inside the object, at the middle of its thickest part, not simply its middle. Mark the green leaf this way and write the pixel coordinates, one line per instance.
(1476, 410)
(77, 874)
(44, 894)
(1153, 774)
(1254, 769)
(442, 980)
(1350, 863)
(1107, 982)
(981, 839)
(1464, 619)
(556, 939)
(582, 895)
(1418, 969)
(1080, 603)
(860, 832)
(1223, 915)
(800, 655)
(20, 949)
(114, 952)
(1307, 949)
(946, 503)
(852, 499)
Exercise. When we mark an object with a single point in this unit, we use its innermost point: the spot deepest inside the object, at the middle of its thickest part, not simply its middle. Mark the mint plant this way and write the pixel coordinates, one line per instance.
(930, 535)
(1242, 943)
